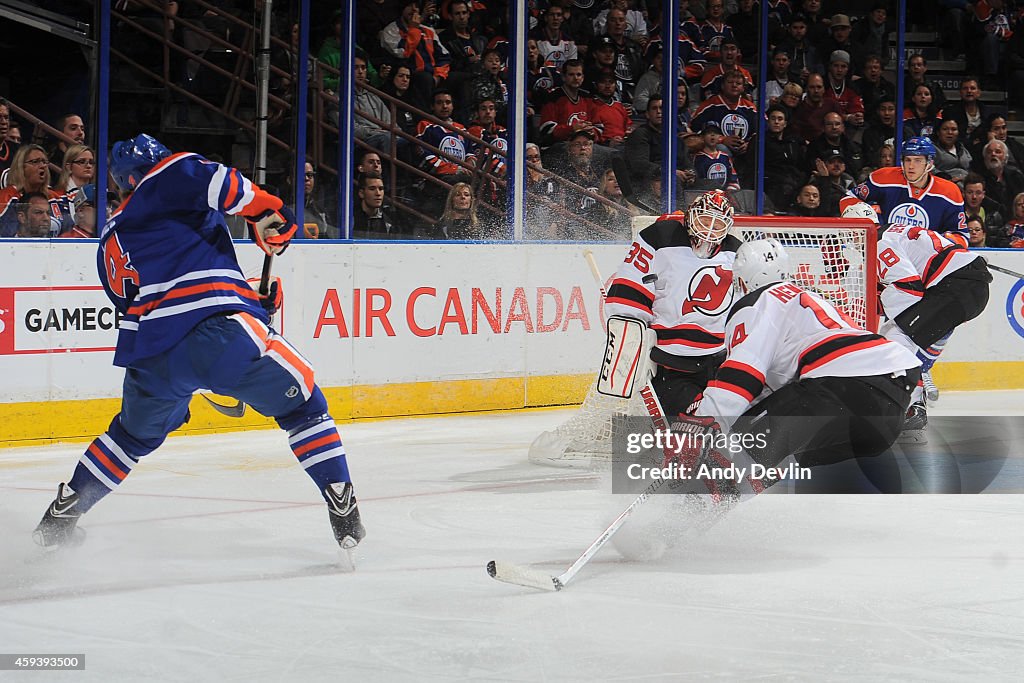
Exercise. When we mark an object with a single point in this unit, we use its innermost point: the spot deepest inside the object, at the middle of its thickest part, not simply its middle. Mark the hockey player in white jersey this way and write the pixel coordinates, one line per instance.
(928, 285)
(801, 373)
(677, 279)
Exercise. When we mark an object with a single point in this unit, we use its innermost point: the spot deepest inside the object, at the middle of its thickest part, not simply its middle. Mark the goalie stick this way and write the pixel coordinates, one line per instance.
(238, 410)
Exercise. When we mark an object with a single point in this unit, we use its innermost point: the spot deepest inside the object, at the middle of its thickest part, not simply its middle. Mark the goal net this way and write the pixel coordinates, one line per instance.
(834, 257)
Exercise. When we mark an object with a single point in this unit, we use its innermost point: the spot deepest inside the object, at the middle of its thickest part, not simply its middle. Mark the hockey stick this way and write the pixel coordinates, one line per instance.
(589, 256)
(238, 410)
(532, 578)
(1005, 271)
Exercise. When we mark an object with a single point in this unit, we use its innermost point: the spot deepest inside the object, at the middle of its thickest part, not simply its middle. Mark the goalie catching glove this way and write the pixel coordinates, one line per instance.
(273, 229)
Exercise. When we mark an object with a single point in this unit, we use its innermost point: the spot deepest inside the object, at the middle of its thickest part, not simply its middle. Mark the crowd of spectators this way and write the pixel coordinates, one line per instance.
(593, 87)
(594, 113)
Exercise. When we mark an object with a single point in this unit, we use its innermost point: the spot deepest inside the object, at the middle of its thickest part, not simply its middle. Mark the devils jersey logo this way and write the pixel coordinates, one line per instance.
(710, 291)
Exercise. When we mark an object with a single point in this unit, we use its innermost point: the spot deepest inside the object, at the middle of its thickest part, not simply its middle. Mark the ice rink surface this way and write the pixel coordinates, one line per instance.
(214, 561)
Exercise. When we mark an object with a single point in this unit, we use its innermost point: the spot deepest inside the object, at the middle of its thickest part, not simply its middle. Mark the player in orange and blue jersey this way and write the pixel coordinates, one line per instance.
(191, 321)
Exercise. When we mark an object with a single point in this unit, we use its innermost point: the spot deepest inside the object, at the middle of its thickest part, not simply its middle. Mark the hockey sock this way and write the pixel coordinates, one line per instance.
(107, 461)
(317, 445)
(929, 355)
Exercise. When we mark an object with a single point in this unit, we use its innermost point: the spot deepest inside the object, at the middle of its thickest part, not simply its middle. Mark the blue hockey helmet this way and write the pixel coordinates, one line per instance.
(131, 160)
(920, 147)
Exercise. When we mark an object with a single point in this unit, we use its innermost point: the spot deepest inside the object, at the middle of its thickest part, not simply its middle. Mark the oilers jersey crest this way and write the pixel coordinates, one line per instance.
(166, 259)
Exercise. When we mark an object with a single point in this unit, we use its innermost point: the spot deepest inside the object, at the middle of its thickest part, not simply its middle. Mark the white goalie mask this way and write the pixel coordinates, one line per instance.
(759, 263)
(708, 221)
(861, 210)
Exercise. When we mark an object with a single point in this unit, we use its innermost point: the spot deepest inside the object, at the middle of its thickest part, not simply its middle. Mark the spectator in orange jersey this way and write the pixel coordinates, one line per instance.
(407, 38)
(30, 173)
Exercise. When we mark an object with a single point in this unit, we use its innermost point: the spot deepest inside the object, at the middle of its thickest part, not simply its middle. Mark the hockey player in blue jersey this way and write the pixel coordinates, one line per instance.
(190, 321)
(910, 195)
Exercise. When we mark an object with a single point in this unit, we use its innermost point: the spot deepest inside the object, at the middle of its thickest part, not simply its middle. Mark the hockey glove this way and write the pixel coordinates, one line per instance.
(272, 300)
(273, 229)
(696, 438)
(956, 238)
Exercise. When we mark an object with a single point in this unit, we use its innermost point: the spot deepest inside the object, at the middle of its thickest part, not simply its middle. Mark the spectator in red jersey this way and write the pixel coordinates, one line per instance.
(809, 117)
(838, 88)
(610, 117)
(568, 108)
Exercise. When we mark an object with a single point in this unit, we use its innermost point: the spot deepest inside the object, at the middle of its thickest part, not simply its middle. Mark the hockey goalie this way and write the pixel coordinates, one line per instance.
(667, 306)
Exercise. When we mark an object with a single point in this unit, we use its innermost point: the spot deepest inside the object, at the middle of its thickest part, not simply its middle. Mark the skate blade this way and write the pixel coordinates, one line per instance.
(346, 560)
(76, 539)
(917, 436)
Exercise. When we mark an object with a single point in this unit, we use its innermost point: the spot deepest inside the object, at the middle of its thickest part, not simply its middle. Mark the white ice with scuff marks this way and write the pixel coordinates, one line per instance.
(214, 561)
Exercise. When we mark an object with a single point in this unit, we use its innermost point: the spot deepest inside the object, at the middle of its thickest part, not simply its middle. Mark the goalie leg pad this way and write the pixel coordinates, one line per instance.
(627, 357)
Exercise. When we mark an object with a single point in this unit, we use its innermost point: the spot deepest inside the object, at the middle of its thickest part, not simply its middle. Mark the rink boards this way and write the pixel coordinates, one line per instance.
(392, 329)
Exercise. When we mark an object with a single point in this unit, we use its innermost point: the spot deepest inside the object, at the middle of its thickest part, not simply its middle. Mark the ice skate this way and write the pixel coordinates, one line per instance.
(914, 426)
(58, 525)
(341, 503)
(931, 392)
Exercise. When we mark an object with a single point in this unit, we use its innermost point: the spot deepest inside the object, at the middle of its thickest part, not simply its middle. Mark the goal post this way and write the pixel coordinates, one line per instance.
(834, 257)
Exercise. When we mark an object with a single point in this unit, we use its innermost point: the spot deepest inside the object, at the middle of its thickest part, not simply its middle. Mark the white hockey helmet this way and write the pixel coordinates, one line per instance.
(709, 220)
(861, 210)
(759, 263)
